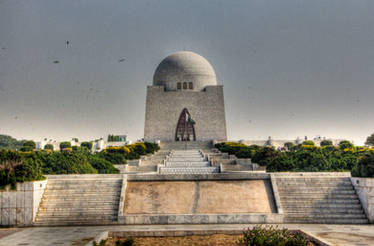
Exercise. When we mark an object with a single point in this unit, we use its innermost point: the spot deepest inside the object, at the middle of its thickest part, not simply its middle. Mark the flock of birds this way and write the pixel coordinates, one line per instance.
(67, 46)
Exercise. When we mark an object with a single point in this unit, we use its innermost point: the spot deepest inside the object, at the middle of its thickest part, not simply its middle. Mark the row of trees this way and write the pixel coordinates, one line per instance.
(18, 166)
(307, 157)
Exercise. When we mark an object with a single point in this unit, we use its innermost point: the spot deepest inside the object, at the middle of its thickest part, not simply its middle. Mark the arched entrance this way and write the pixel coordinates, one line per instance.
(185, 127)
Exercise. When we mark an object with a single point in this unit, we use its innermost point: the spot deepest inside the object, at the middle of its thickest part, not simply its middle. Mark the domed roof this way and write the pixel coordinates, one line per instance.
(184, 66)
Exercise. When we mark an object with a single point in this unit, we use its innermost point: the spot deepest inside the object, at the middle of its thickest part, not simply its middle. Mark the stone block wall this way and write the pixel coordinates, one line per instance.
(19, 207)
(365, 189)
(163, 109)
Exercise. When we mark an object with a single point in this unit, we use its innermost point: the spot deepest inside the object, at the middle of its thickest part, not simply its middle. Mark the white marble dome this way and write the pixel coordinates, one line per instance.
(184, 66)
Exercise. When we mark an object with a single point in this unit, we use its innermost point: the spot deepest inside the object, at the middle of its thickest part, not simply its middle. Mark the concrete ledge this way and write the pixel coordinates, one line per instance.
(364, 188)
(276, 193)
(84, 176)
(311, 174)
(186, 177)
(123, 194)
(147, 219)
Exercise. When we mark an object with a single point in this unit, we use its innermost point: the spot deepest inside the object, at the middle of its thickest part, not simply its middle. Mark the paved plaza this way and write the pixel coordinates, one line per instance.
(342, 235)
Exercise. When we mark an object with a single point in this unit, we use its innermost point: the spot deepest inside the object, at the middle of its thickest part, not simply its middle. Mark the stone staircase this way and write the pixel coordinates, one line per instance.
(330, 200)
(186, 145)
(80, 201)
(187, 162)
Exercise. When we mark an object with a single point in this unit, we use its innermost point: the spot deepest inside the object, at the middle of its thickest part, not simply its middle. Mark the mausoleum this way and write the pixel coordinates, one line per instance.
(185, 103)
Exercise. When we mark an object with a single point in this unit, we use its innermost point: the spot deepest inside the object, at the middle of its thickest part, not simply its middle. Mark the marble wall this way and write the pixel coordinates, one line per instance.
(365, 191)
(19, 207)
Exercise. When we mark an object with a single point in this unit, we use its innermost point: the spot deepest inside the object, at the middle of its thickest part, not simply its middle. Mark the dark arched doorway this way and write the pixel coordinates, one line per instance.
(185, 128)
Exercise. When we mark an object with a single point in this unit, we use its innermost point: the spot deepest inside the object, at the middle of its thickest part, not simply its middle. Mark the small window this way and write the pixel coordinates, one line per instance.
(179, 86)
(184, 85)
(190, 86)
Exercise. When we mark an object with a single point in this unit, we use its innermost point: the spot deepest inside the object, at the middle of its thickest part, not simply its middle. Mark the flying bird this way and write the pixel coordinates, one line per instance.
(67, 43)
(56, 61)
(121, 60)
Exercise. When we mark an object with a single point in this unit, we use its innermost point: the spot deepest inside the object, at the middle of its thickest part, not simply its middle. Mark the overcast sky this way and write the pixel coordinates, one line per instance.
(289, 68)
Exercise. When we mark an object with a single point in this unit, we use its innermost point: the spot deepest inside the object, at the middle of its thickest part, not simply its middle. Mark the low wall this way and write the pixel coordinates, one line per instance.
(365, 190)
(19, 207)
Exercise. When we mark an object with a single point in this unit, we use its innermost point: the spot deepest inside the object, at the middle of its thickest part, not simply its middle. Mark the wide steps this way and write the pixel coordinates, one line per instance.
(77, 209)
(315, 220)
(315, 191)
(187, 164)
(194, 170)
(76, 222)
(74, 192)
(97, 205)
(85, 217)
(80, 201)
(320, 200)
(78, 213)
(87, 199)
(312, 196)
(322, 210)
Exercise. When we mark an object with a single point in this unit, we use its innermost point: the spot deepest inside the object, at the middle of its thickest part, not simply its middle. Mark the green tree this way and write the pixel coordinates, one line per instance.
(16, 167)
(264, 156)
(102, 165)
(308, 142)
(48, 146)
(289, 145)
(365, 166)
(345, 144)
(65, 162)
(88, 145)
(7, 142)
(64, 145)
(29, 143)
(370, 140)
(326, 143)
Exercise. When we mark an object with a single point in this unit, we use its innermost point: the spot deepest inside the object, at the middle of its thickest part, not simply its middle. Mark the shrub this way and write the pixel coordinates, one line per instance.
(230, 147)
(64, 145)
(139, 148)
(326, 143)
(151, 147)
(281, 163)
(26, 148)
(289, 145)
(265, 156)
(308, 142)
(115, 158)
(118, 149)
(48, 146)
(345, 144)
(16, 167)
(65, 163)
(88, 145)
(272, 236)
(80, 149)
(102, 165)
(365, 166)
(127, 242)
(29, 143)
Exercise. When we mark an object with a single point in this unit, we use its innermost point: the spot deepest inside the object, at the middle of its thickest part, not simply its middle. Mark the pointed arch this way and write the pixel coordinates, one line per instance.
(185, 127)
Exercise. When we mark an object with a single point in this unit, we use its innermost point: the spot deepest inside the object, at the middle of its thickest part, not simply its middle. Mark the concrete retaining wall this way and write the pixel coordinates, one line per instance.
(365, 189)
(19, 207)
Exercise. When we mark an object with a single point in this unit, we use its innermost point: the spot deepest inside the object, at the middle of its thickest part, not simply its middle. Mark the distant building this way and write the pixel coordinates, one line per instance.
(97, 145)
(117, 138)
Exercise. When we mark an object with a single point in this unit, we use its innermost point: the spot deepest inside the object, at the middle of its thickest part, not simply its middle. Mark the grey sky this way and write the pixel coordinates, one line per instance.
(289, 68)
